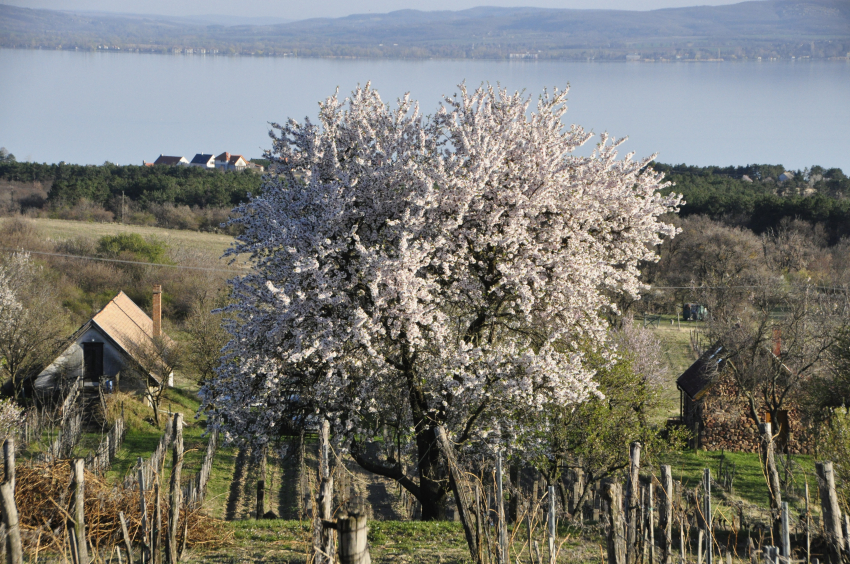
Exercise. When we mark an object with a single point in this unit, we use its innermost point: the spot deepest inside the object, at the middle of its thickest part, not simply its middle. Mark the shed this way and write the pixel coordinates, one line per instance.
(105, 346)
(717, 414)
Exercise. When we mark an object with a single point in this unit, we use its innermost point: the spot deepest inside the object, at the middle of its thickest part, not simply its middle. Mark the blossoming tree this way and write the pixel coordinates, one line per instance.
(413, 272)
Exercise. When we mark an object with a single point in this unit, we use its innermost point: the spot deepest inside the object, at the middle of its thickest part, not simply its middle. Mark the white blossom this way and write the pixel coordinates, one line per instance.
(413, 271)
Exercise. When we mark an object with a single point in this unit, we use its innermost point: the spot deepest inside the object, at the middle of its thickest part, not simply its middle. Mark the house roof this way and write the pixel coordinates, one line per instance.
(699, 377)
(225, 156)
(166, 160)
(202, 159)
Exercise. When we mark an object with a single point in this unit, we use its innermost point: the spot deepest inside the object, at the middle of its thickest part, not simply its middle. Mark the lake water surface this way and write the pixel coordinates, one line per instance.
(125, 108)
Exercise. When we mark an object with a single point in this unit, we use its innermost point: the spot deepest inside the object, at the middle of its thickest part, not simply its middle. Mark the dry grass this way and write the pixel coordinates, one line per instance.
(209, 245)
(44, 501)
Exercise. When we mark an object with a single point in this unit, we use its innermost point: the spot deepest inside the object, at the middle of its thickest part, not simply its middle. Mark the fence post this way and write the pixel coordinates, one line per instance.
(145, 548)
(500, 505)
(665, 515)
(326, 494)
(14, 549)
(553, 523)
(78, 489)
(176, 492)
(473, 537)
(353, 531)
(808, 527)
(651, 515)
(831, 511)
(786, 536)
(127, 544)
(709, 534)
(613, 494)
(633, 500)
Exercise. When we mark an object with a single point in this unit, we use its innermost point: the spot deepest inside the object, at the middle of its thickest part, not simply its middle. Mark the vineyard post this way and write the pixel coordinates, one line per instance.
(78, 488)
(633, 500)
(176, 492)
(831, 511)
(665, 515)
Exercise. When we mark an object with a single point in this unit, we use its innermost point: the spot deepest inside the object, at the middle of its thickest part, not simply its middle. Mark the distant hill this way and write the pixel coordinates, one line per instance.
(767, 28)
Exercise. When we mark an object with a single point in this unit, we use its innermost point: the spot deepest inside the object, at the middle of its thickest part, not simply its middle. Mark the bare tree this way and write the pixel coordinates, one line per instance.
(206, 335)
(156, 360)
(775, 350)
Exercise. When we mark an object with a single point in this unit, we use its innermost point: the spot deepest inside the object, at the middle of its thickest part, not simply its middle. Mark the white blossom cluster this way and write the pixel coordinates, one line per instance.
(412, 271)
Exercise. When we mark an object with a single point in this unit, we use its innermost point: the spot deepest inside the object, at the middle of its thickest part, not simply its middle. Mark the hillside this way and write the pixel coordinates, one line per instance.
(781, 28)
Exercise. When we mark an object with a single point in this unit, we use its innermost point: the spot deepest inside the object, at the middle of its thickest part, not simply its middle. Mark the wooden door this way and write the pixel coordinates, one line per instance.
(93, 361)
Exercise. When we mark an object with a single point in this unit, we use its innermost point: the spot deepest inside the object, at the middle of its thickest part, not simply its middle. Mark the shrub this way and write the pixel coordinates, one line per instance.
(135, 246)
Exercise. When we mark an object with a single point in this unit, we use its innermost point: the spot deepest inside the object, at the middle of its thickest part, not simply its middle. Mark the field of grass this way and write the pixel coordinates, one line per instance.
(61, 229)
(285, 541)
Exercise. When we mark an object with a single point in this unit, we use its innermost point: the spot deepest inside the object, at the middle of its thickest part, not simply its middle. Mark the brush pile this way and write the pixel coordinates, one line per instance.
(43, 498)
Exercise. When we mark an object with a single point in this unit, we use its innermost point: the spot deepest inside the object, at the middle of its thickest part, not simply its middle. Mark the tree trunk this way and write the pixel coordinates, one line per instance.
(433, 487)
(774, 492)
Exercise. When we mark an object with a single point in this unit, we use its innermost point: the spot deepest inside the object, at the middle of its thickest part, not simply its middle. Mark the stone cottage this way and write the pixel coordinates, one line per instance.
(717, 414)
(113, 346)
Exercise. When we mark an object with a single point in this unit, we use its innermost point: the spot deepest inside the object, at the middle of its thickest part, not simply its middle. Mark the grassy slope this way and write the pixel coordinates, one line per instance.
(60, 230)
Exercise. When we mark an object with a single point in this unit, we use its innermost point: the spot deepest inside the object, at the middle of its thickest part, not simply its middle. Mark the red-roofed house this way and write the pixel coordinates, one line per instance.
(226, 161)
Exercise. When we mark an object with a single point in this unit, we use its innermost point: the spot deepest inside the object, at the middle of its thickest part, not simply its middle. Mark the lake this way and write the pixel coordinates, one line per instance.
(125, 108)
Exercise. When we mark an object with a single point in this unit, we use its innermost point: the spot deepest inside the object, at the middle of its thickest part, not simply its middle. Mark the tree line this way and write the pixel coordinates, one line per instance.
(181, 197)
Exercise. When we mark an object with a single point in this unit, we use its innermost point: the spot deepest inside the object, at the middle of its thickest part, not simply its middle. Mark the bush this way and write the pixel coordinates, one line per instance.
(834, 445)
(135, 246)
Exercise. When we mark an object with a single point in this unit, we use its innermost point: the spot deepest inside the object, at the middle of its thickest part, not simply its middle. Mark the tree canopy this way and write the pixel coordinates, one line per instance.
(412, 272)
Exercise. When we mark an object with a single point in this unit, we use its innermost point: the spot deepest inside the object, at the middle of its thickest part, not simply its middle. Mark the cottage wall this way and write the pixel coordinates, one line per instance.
(68, 366)
(722, 415)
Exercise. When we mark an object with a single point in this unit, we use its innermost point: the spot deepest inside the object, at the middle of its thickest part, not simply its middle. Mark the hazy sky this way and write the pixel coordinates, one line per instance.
(292, 9)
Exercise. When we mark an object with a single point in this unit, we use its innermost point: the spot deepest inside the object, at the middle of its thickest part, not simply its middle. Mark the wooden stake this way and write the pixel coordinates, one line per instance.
(176, 492)
(633, 501)
(326, 493)
(808, 527)
(553, 531)
(613, 494)
(709, 536)
(156, 534)
(145, 548)
(665, 515)
(650, 513)
(78, 490)
(786, 536)
(830, 509)
(700, 536)
(500, 506)
(128, 546)
(353, 547)
(14, 548)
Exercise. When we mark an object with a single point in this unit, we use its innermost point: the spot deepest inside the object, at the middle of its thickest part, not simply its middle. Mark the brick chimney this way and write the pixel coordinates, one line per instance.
(157, 310)
(777, 341)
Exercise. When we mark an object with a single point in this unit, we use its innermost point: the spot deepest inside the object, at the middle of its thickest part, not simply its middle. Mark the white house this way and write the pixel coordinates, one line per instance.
(226, 161)
(112, 341)
(787, 175)
(203, 161)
